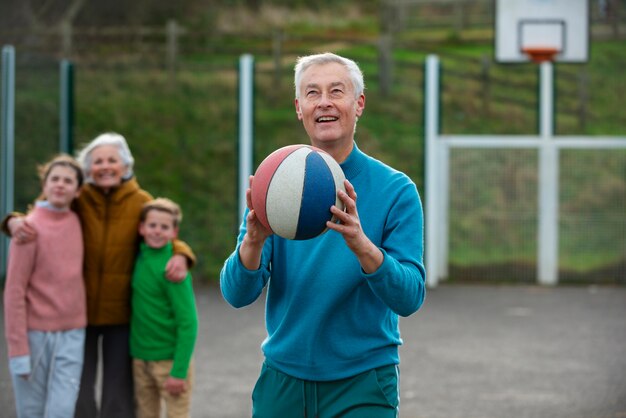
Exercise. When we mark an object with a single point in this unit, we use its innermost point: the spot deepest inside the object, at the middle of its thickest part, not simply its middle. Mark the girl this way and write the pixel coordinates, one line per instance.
(44, 299)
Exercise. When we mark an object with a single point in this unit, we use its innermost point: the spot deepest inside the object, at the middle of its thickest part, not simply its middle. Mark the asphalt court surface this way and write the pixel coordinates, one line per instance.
(472, 351)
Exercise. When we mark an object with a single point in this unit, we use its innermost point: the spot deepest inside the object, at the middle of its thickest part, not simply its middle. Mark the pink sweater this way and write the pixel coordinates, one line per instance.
(44, 289)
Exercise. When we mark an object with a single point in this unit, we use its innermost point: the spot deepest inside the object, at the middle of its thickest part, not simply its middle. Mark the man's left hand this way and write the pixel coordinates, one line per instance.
(349, 226)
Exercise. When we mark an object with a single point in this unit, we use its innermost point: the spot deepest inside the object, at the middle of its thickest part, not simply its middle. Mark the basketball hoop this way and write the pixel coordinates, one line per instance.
(540, 54)
(553, 31)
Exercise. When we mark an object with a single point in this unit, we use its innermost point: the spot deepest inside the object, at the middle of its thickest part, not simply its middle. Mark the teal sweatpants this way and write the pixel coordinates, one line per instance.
(372, 394)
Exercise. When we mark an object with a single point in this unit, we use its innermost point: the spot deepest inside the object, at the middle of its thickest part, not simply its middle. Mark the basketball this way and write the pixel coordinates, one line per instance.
(293, 190)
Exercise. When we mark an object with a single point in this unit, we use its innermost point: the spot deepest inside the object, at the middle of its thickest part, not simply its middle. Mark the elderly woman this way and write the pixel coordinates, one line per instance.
(109, 207)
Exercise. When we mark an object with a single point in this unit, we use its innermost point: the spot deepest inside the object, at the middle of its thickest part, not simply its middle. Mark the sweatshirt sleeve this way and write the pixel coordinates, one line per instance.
(20, 267)
(400, 280)
(184, 307)
(240, 286)
(20, 365)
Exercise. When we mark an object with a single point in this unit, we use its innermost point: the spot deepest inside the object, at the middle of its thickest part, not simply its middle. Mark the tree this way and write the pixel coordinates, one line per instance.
(56, 14)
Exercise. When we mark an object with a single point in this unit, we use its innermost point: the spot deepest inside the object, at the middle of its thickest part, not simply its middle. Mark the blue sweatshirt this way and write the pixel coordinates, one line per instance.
(326, 318)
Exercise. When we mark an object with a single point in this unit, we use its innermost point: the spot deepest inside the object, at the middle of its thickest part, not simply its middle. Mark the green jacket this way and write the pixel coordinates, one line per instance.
(164, 321)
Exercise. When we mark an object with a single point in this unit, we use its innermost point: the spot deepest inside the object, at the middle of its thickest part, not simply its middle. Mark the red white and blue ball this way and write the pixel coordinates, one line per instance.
(293, 190)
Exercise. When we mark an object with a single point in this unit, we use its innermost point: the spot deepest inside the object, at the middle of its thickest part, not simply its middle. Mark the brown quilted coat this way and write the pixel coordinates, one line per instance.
(110, 232)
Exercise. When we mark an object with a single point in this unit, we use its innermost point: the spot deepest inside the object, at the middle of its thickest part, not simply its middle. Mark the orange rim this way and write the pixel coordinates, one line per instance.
(539, 54)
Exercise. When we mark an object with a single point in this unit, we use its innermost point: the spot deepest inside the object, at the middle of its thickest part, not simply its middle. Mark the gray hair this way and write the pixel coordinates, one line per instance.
(108, 138)
(356, 75)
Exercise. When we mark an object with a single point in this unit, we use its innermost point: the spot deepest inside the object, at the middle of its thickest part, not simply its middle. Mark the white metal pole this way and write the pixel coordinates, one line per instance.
(443, 197)
(7, 141)
(246, 132)
(548, 230)
(431, 129)
(66, 108)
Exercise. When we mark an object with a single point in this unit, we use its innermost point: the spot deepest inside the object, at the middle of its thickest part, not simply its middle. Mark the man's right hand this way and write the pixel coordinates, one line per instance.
(256, 231)
(21, 231)
(256, 234)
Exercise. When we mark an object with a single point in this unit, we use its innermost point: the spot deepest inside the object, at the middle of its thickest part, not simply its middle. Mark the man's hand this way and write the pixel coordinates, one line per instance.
(176, 268)
(255, 229)
(256, 234)
(349, 226)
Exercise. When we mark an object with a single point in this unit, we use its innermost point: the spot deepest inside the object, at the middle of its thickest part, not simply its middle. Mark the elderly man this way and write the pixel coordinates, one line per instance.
(333, 302)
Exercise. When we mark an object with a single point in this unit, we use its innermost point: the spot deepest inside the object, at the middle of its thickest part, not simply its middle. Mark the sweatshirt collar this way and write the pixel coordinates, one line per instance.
(47, 205)
(355, 163)
(146, 248)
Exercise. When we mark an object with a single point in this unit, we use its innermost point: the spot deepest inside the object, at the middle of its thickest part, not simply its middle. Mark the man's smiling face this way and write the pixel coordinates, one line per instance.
(327, 105)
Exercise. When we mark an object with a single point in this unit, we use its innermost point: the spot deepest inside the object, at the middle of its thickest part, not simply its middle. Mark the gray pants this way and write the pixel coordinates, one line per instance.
(51, 388)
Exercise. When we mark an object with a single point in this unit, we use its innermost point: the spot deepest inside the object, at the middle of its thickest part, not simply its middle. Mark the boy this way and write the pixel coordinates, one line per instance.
(164, 321)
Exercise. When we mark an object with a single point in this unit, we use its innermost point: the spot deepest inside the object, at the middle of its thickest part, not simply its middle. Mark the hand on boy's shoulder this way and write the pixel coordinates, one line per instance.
(176, 269)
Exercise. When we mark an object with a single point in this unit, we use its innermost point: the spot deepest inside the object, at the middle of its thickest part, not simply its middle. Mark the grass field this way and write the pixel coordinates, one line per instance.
(183, 133)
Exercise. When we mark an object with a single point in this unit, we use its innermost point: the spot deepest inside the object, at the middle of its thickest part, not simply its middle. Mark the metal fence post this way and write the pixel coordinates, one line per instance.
(246, 126)
(431, 130)
(7, 127)
(66, 117)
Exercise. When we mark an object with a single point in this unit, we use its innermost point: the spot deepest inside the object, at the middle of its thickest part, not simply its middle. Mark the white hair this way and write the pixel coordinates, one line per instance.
(355, 73)
(108, 138)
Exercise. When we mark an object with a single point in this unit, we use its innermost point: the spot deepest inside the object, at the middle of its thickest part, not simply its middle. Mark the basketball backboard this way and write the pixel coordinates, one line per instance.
(556, 30)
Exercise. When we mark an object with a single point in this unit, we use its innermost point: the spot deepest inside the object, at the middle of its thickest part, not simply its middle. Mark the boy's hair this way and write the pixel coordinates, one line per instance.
(63, 160)
(162, 204)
